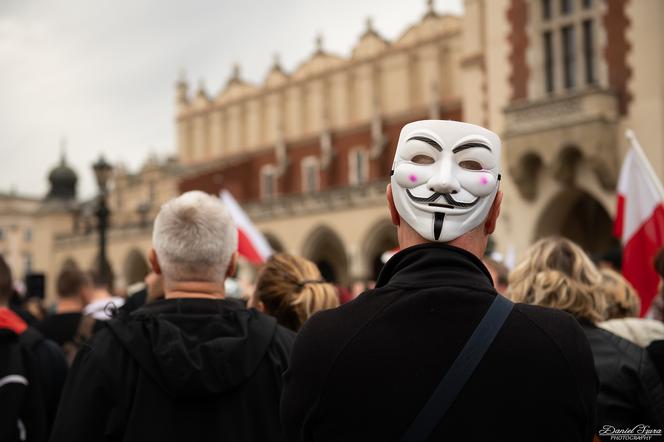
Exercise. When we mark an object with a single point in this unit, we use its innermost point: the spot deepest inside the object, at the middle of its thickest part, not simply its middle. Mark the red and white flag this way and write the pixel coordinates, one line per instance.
(640, 221)
(251, 243)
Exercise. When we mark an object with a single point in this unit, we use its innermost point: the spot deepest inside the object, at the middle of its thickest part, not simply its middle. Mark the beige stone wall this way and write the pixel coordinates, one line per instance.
(122, 243)
(17, 241)
(646, 112)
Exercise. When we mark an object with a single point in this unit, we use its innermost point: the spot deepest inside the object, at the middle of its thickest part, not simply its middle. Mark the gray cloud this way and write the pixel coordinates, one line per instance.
(102, 73)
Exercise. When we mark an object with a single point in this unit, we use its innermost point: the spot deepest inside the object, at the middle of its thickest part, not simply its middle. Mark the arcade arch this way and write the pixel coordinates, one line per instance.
(324, 247)
(577, 215)
(381, 238)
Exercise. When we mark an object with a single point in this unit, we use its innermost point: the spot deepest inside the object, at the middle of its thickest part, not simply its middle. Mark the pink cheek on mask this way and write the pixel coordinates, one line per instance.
(484, 180)
(412, 178)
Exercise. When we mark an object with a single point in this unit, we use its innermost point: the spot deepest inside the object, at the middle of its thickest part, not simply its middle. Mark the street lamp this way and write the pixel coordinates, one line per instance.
(103, 172)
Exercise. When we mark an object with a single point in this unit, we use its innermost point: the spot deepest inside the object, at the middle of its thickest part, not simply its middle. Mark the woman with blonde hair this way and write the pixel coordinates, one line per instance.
(557, 273)
(291, 289)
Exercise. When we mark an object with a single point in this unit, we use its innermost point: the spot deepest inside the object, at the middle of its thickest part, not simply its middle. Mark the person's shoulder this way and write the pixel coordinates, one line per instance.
(559, 328)
(553, 322)
(610, 345)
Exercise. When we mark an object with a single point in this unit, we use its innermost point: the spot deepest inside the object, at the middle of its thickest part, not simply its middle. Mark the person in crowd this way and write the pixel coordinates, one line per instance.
(384, 366)
(557, 273)
(72, 287)
(622, 310)
(656, 348)
(100, 302)
(499, 273)
(32, 373)
(18, 304)
(291, 289)
(194, 366)
(656, 310)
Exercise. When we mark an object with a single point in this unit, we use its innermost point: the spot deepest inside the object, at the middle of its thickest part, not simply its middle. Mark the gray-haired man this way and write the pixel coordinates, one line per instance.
(194, 366)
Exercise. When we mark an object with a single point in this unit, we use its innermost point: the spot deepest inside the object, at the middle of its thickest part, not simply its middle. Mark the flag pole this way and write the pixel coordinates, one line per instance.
(634, 142)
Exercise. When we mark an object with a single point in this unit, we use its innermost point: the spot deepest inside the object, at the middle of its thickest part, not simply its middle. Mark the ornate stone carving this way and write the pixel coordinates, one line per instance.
(526, 175)
(566, 166)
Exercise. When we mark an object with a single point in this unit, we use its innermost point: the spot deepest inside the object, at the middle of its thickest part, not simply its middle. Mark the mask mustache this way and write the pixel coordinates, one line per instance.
(448, 198)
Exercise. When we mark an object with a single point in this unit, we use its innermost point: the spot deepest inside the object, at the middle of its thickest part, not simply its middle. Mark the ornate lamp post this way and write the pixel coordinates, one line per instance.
(103, 172)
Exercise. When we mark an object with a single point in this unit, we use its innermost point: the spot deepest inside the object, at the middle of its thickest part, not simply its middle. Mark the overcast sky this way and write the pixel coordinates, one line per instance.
(101, 73)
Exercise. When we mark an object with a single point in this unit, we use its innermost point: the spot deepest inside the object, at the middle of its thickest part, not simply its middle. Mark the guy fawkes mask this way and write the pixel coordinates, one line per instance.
(445, 177)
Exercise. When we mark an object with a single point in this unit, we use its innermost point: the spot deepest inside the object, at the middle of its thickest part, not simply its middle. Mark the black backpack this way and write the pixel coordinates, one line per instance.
(23, 416)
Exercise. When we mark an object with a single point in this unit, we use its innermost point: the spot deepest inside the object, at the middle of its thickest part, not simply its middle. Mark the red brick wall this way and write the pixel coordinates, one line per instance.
(240, 175)
(517, 16)
(616, 50)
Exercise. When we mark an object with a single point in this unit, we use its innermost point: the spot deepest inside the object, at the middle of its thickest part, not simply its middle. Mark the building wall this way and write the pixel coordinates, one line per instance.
(326, 92)
(645, 38)
(17, 233)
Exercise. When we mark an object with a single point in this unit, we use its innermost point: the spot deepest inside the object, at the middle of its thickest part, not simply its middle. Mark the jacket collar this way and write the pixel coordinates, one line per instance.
(434, 265)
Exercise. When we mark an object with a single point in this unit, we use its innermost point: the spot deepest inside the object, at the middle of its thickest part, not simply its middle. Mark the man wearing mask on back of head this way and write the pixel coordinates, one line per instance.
(433, 351)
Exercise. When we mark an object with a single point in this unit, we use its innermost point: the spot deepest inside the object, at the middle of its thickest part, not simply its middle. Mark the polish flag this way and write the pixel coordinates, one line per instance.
(640, 221)
(251, 243)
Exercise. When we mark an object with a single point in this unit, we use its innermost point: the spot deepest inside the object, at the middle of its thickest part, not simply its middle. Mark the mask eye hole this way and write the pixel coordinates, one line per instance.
(422, 159)
(470, 165)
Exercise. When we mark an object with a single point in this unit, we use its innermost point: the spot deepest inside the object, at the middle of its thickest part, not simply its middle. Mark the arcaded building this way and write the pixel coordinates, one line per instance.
(308, 152)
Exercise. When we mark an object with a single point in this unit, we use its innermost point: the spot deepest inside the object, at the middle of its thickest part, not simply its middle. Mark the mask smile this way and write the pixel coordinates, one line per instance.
(451, 202)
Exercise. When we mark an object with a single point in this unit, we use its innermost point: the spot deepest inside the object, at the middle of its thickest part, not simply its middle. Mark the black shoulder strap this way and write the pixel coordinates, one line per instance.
(460, 371)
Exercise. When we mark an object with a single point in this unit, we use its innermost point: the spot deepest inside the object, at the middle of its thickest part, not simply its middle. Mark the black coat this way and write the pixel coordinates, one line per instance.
(631, 392)
(364, 370)
(178, 370)
(32, 373)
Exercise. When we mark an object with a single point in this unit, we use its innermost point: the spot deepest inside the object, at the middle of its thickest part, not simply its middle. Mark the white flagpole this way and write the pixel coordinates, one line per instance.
(634, 143)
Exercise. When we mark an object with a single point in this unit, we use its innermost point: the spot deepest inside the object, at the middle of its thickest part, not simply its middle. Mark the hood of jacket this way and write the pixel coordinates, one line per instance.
(196, 347)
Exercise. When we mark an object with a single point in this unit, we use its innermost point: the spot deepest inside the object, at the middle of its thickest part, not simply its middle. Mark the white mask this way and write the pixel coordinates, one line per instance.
(445, 177)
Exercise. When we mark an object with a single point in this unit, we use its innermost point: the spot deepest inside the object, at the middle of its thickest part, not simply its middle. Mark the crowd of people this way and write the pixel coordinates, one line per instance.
(448, 345)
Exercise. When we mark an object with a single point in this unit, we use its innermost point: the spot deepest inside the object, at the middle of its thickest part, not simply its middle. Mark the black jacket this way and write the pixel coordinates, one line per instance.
(32, 373)
(631, 392)
(178, 370)
(364, 370)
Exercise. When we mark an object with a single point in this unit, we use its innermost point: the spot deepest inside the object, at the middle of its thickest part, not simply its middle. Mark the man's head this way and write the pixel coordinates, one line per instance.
(445, 179)
(72, 283)
(194, 240)
(6, 282)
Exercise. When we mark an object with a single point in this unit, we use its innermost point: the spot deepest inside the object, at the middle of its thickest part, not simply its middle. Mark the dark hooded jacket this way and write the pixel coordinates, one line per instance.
(176, 370)
(363, 371)
(32, 373)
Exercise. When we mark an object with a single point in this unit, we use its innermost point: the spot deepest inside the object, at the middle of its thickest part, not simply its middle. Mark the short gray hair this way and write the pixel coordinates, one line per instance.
(194, 238)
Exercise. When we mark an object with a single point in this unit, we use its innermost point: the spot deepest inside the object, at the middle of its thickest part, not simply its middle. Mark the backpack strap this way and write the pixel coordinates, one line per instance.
(460, 371)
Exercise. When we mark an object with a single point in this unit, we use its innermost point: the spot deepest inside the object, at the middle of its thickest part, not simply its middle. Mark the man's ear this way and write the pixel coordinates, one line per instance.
(394, 214)
(232, 266)
(154, 261)
(494, 212)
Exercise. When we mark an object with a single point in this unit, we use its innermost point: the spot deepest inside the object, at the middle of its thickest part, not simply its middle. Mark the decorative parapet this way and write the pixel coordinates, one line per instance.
(555, 112)
(372, 194)
(556, 134)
